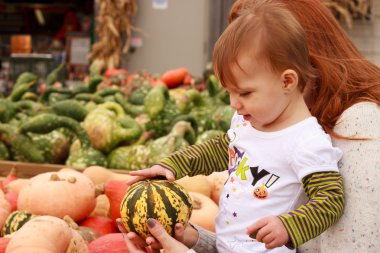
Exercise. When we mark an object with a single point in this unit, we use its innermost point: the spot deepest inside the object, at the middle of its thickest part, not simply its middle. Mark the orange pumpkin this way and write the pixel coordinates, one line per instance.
(101, 175)
(4, 243)
(204, 211)
(10, 177)
(12, 199)
(5, 209)
(110, 243)
(46, 234)
(115, 191)
(16, 185)
(58, 194)
(102, 225)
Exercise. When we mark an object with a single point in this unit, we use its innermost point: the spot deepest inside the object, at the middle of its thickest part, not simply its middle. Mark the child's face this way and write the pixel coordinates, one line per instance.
(259, 94)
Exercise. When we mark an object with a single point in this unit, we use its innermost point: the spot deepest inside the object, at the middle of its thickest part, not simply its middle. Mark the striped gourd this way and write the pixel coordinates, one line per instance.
(15, 221)
(165, 201)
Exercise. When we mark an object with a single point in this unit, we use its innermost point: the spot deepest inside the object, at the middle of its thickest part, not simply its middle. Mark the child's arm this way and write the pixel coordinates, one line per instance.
(204, 158)
(325, 206)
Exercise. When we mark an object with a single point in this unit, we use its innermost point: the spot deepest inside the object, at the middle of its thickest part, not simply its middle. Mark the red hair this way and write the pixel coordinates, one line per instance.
(268, 33)
(345, 77)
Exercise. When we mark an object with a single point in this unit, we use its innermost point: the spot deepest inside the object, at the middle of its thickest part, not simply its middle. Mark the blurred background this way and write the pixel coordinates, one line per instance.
(38, 35)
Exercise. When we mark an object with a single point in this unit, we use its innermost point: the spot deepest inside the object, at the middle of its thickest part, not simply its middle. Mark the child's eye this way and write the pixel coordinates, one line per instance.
(244, 94)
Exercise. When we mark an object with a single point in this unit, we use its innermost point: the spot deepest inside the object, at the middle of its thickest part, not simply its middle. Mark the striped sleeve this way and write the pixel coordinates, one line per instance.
(324, 208)
(204, 158)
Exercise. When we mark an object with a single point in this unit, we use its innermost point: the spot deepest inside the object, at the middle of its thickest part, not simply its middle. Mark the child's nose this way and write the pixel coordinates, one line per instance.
(234, 102)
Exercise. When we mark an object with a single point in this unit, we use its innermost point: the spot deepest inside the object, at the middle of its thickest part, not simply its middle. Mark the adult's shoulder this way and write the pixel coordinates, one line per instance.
(360, 120)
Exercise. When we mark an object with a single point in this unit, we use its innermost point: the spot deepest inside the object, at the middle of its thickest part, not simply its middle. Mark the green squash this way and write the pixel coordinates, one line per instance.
(15, 221)
(136, 157)
(165, 201)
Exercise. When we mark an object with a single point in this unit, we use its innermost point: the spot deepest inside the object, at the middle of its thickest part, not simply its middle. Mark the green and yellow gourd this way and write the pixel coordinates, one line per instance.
(165, 201)
(15, 221)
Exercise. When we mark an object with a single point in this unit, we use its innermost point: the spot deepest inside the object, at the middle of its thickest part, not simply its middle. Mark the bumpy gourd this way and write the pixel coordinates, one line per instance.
(165, 201)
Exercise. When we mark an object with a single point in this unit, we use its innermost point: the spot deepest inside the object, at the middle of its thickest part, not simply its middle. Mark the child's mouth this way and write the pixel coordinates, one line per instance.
(247, 117)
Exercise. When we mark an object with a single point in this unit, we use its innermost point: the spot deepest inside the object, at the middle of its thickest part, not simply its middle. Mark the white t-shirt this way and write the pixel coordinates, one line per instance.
(265, 177)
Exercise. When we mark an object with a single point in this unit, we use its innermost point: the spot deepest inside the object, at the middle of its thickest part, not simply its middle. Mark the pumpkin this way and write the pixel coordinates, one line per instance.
(110, 243)
(217, 181)
(115, 191)
(10, 177)
(165, 201)
(15, 221)
(58, 194)
(102, 207)
(46, 234)
(101, 175)
(102, 225)
(16, 185)
(204, 211)
(12, 199)
(260, 192)
(4, 243)
(5, 209)
(198, 183)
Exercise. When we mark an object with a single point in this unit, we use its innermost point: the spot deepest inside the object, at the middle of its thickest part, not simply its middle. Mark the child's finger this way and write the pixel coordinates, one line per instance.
(150, 172)
(273, 244)
(268, 238)
(134, 179)
(262, 233)
(169, 175)
(255, 227)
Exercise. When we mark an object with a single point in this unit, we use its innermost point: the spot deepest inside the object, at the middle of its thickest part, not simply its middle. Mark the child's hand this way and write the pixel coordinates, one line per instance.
(154, 171)
(269, 230)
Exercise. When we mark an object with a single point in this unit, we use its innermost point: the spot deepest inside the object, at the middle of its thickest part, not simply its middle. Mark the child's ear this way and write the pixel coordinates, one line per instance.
(289, 80)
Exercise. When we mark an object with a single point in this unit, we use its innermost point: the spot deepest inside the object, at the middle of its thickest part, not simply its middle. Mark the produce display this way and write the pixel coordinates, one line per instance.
(165, 201)
(113, 120)
(87, 203)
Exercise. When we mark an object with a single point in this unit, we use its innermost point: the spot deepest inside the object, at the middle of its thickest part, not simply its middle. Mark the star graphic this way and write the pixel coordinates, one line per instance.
(233, 189)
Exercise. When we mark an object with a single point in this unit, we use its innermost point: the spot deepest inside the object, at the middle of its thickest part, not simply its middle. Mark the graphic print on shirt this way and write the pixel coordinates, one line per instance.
(235, 158)
(239, 163)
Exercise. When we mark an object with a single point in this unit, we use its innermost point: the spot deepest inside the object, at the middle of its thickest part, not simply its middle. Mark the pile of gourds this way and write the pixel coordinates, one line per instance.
(113, 119)
(75, 211)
